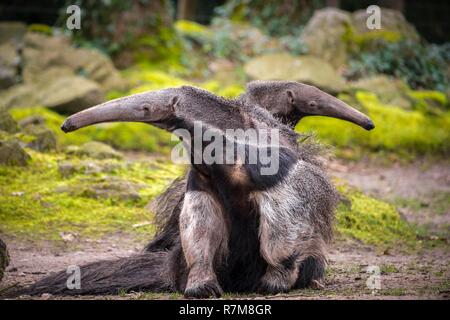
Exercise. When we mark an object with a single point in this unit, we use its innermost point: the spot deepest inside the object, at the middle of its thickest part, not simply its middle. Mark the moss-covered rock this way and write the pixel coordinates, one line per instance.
(323, 35)
(372, 221)
(307, 69)
(392, 22)
(388, 90)
(405, 133)
(43, 138)
(430, 102)
(9, 62)
(7, 123)
(12, 153)
(96, 150)
(332, 34)
(4, 258)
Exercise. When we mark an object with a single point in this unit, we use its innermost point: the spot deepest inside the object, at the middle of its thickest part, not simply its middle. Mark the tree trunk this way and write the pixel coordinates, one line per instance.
(186, 9)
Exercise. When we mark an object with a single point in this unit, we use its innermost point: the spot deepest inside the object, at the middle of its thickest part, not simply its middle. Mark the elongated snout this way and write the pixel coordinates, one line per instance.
(146, 107)
(339, 109)
(330, 106)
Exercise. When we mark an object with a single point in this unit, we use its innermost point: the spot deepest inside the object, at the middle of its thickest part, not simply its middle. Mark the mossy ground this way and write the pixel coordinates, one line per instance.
(372, 221)
(31, 207)
(39, 201)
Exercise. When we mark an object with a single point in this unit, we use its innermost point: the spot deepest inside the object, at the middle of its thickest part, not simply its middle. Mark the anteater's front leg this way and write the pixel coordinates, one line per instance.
(204, 239)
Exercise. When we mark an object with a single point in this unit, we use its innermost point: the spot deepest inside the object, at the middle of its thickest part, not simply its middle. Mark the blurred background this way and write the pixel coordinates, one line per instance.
(394, 180)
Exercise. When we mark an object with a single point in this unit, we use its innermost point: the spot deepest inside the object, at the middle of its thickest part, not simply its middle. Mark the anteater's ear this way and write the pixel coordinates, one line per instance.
(290, 96)
(174, 102)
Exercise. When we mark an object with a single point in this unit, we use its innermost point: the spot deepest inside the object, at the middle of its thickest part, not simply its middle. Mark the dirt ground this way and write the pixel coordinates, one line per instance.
(416, 188)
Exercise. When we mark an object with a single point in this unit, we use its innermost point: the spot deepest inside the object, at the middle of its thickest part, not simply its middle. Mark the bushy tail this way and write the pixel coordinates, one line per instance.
(147, 271)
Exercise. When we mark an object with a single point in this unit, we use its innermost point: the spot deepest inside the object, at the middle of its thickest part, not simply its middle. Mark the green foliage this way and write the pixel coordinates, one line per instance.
(372, 221)
(398, 131)
(274, 18)
(124, 136)
(30, 205)
(421, 66)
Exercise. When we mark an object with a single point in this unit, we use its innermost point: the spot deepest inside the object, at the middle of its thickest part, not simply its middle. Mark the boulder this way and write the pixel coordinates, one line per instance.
(44, 138)
(11, 31)
(323, 35)
(306, 69)
(69, 168)
(9, 62)
(4, 258)
(12, 154)
(42, 52)
(105, 188)
(57, 88)
(391, 21)
(331, 33)
(7, 123)
(96, 150)
(70, 94)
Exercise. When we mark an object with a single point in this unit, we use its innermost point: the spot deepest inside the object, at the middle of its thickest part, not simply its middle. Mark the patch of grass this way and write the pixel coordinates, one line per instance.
(30, 207)
(388, 268)
(372, 221)
(392, 292)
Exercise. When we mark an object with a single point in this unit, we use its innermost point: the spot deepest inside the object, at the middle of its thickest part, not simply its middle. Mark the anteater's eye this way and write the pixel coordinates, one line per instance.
(313, 104)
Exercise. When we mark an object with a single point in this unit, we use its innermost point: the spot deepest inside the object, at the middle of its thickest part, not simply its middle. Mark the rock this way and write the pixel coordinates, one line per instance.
(323, 35)
(55, 74)
(114, 189)
(9, 64)
(68, 168)
(71, 94)
(391, 21)
(12, 154)
(42, 52)
(107, 188)
(305, 69)
(388, 90)
(4, 258)
(56, 89)
(45, 139)
(98, 150)
(331, 33)
(12, 31)
(7, 123)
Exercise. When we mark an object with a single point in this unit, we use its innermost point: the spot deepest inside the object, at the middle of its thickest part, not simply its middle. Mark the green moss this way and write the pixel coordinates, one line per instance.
(124, 136)
(31, 207)
(428, 101)
(372, 221)
(192, 29)
(41, 28)
(397, 131)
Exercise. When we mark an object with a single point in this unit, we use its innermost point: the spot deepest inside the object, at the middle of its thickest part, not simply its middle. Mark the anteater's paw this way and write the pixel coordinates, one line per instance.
(205, 289)
(317, 285)
(271, 288)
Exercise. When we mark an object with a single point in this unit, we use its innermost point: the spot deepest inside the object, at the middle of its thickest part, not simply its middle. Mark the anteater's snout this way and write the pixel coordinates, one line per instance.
(67, 126)
(369, 125)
